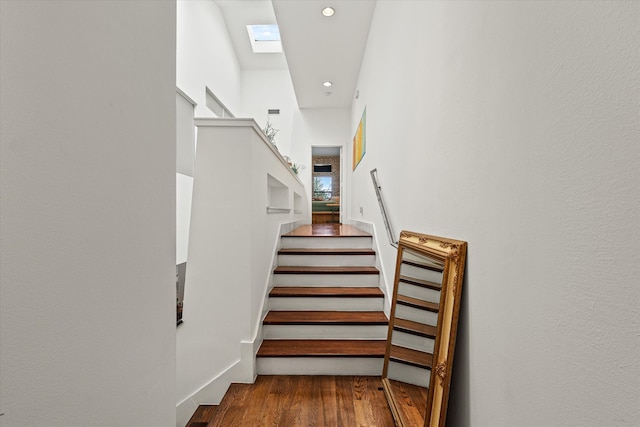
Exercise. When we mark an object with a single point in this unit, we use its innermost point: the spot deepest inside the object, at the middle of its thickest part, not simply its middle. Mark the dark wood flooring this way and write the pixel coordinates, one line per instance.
(410, 402)
(300, 401)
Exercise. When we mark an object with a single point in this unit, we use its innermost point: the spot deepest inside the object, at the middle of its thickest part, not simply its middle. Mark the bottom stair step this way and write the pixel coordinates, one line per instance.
(320, 357)
(322, 348)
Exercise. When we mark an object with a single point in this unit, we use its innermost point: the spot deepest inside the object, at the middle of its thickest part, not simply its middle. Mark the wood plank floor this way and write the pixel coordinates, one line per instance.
(300, 401)
(410, 402)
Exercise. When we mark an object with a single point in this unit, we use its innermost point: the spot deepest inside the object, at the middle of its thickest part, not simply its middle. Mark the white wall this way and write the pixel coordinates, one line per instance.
(514, 126)
(87, 213)
(299, 129)
(185, 164)
(184, 190)
(185, 135)
(205, 56)
(318, 127)
(266, 89)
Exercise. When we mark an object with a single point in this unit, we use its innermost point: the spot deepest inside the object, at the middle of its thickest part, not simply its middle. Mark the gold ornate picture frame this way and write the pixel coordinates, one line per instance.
(422, 328)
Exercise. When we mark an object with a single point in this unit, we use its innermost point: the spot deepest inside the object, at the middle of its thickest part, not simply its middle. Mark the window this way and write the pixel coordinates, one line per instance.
(322, 187)
(265, 38)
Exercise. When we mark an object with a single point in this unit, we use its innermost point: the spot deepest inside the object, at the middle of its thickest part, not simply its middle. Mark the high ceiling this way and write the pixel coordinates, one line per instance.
(316, 48)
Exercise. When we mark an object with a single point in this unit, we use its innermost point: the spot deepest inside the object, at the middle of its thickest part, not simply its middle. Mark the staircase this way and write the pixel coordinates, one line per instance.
(326, 308)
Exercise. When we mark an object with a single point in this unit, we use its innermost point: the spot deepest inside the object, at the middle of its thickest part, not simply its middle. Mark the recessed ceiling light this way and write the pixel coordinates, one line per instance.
(328, 11)
(327, 84)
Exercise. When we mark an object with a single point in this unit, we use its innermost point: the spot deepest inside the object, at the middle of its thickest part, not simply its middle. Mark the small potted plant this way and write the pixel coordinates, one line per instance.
(270, 132)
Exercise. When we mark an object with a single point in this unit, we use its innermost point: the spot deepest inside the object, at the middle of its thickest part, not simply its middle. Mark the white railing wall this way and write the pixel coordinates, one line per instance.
(243, 193)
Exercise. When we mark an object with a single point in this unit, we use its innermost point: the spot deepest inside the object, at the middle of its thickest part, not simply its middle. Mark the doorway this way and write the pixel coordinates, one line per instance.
(326, 185)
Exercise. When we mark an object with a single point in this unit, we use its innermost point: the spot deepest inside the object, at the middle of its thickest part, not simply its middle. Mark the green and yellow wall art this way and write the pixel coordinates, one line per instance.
(360, 140)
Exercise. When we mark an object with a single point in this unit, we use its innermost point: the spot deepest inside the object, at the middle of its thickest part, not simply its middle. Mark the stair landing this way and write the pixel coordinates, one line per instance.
(326, 230)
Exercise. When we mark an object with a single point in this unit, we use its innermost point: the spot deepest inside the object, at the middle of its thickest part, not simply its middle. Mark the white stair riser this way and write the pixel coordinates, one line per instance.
(327, 260)
(352, 332)
(420, 273)
(415, 342)
(319, 365)
(326, 242)
(334, 280)
(409, 374)
(418, 292)
(416, 315)
(326, 303)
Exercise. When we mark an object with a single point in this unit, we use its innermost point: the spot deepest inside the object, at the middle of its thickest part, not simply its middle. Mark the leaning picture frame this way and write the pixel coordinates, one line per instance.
(423, 327)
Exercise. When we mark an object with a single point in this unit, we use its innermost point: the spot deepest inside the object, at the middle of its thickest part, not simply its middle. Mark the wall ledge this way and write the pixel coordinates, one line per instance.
(248, 123)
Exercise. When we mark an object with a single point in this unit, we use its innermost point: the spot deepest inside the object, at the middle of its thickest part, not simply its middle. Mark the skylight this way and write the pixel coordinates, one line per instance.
(264, 38)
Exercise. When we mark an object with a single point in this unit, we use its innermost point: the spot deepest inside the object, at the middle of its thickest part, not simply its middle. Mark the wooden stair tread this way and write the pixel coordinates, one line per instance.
(325, 270)
(322, 348)
(300, 291)
(418, 303)
(414, 328)
(325, 251)
(325, 318)
(422, 283)
(411, 357)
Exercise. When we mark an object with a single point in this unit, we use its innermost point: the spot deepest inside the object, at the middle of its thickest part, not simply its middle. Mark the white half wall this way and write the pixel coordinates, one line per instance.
(87, 213)
(514, 126)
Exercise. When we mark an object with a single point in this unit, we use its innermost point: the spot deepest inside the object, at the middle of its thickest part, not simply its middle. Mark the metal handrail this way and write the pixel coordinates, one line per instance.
(383, 209)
